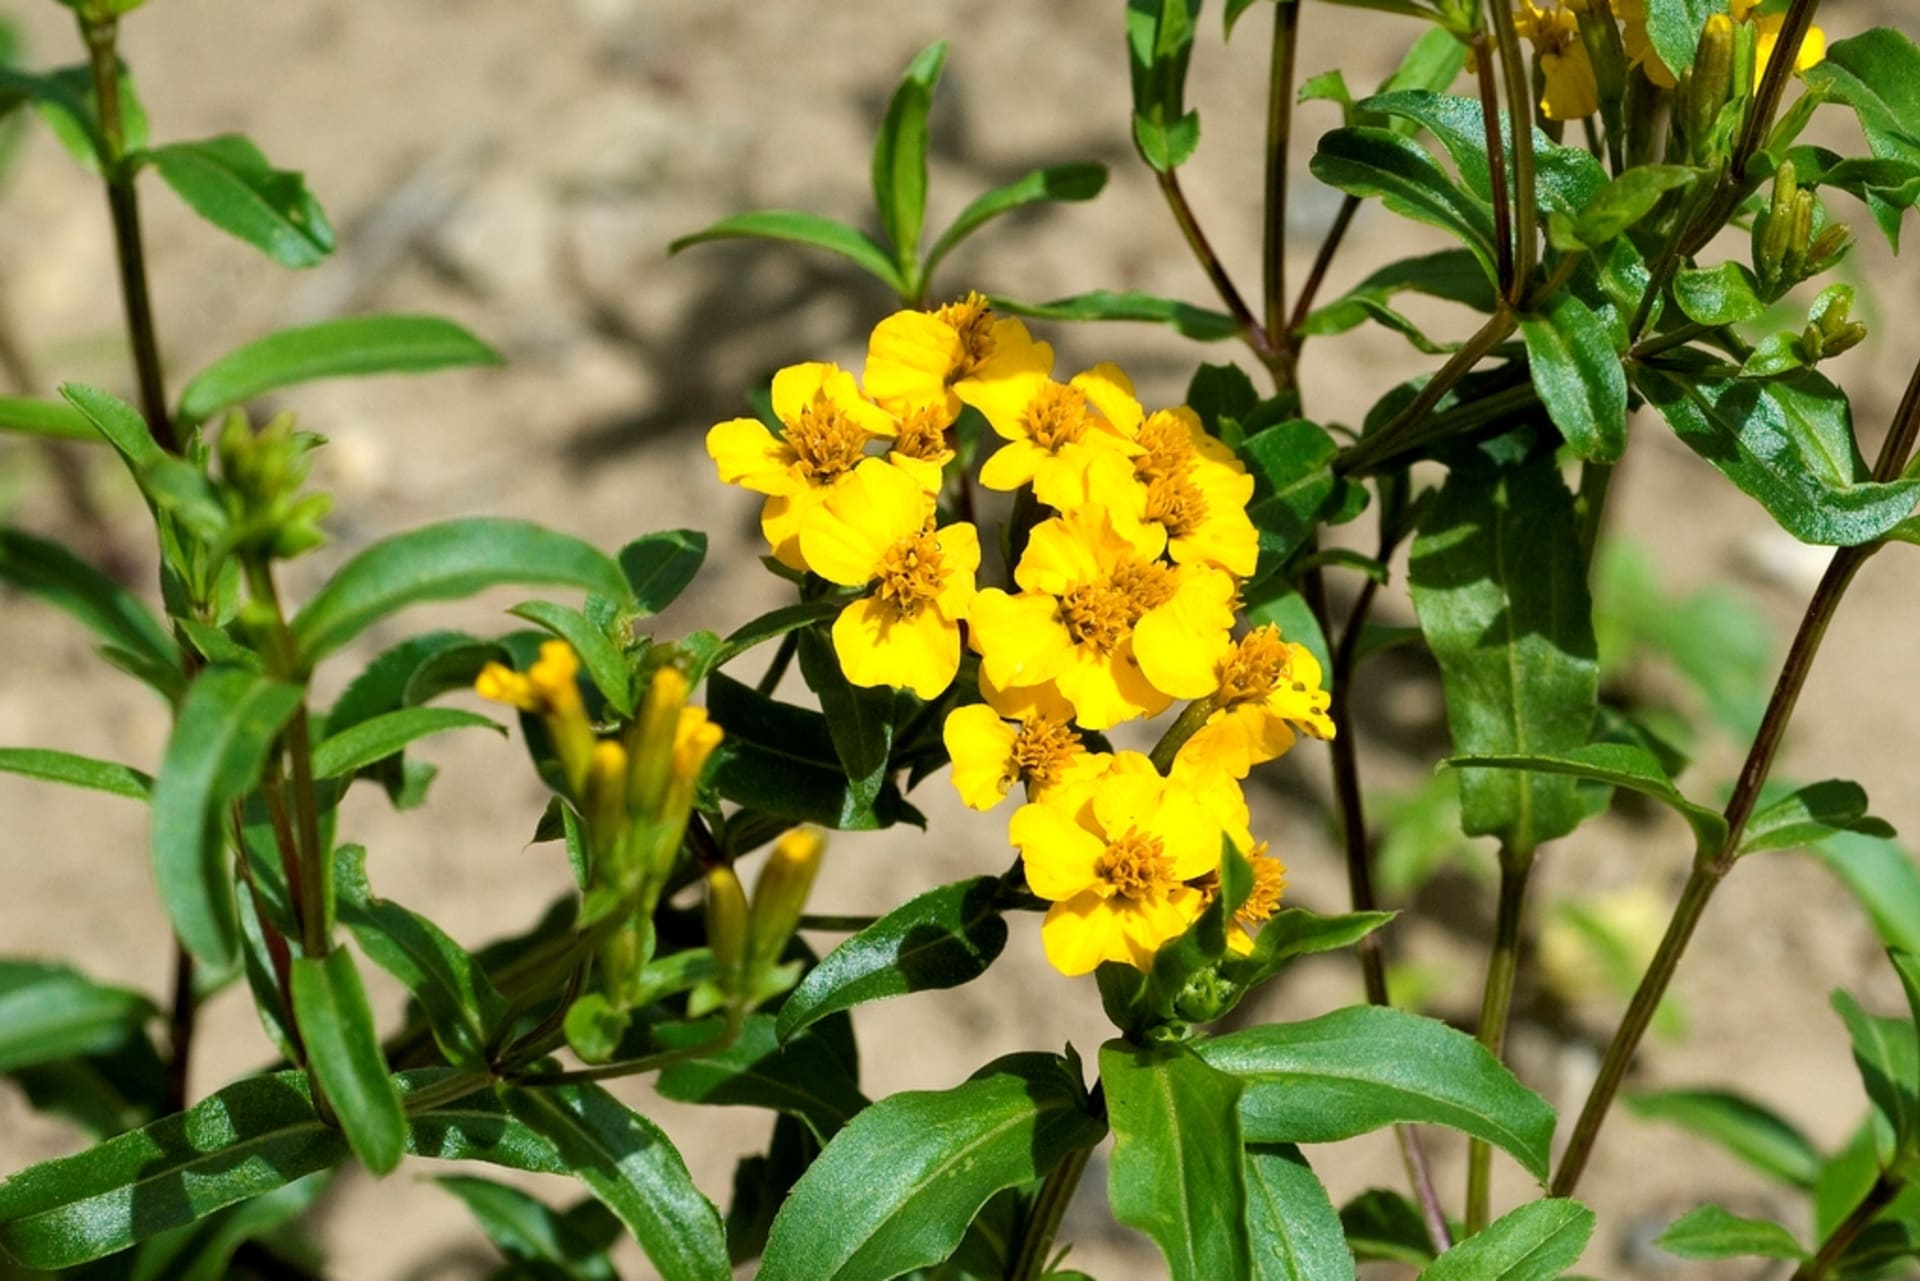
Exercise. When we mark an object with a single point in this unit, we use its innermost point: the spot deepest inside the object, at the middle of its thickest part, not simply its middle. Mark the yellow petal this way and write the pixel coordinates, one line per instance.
(877, 646)
(1234, 740)
(1061, 856)
(1011, 466)
(1111, 392)
(1020, 638)
(1108, 689)
(780, 521)
(959, 562)
(1080, 933)
(928, 473)
(1571, 90)
(844, 392)
(1180, 644)
(1015, 355)
(910, 355)
(1126, 800)
(1019, 702)
(795, 387)
(859, 518)
(749, 455)
(1061, 554)
(1188, 831)
(981, 747)
(1149, 924)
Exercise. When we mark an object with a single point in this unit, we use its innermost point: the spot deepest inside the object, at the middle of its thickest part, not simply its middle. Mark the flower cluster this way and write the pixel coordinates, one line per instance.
(1128, 544)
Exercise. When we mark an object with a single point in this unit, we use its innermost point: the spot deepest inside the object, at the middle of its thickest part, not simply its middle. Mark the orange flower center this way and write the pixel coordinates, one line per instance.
(1176, 503)
(1257, 665)
(1042, 749)
(923, 434)
(1101, 615)
(1269, 883)
(910, 573)
(828, 442)
(1169, 449)
(1136, 866)
(1056, 417)
(971, 319)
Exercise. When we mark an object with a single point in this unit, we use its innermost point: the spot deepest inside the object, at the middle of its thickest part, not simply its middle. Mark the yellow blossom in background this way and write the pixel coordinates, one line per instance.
(990, 755)
(1185, 491)
(1267, 689)
(878, 529)
(1263, 899)
(1570, 89)
(827, 425)
(1116, 864)
(1766, 34)
(1049, 425)
(1119, 635)
(1638, 44)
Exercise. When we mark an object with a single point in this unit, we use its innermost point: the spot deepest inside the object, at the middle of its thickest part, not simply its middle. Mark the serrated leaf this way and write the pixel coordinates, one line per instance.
(1176, 1172)
(900, 156)
(343, 1050)
(896, 1188)
(940, 939)
(1566, 178)
(660, 566)
(1367, 1067)
(1159, 43)
(351, 347)
(1617, 765)
(802, 1077)
(447, 561)
(802, 229)
(1537, 1242)
(605, 665)
(1876, 74)
(1294, 485)
(1452, 274)
(1625, 200)
(227, 181)
(1073, 182)
(1579, 376)
(1189, 321)
(1884, 880)
(76, 771)
(1812, 814)
(1750, 1131)
(1292, 1228)
(1709, 1232)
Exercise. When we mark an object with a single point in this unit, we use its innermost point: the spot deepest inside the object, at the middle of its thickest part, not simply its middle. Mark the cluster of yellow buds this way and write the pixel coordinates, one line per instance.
(1129, 557)
(748, 941)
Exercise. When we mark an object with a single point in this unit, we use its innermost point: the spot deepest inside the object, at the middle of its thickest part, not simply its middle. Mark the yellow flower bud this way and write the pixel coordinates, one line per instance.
(727, 928)
(650, 740)
(500, 684)
(607, 792)
(780, 894)
(1709, 85)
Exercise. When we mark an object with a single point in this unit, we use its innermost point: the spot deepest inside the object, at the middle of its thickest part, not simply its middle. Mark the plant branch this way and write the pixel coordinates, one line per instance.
(1848, 1230)
(1184, 727)
(1495, 1005)
(180, 1027)
(1780, 68)
(123, 204)
(1029, 1261)
(1286, 23)
(777, 668)
(1496, 160)
(829, 924)
(1520, 122)
(1250, 331)
(1317, 274)
(1370, 451)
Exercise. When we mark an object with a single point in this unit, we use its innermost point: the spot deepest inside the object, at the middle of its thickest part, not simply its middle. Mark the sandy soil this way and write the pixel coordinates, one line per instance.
(522, 167)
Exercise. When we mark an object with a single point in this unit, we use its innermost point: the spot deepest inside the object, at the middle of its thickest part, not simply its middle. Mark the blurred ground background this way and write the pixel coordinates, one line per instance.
(522, 168)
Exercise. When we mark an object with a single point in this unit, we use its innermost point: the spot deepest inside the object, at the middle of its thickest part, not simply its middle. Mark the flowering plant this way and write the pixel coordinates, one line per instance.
(1003, 575)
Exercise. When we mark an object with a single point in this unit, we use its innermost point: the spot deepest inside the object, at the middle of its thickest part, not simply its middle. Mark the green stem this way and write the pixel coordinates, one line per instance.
(782, 659)
(1848, 1230)
(1368, 452)
(440, 1093)
(123, 205)
(1050, 1203)
(1250, 331)
(1595, 481)
(1496, 161)
(1780, 67)
(1286, 23)
(836, 924)
(315, 871)
(1495, 1005)
(1184, 727)
(631, 1067)
(1317, 274)
(1513, 65)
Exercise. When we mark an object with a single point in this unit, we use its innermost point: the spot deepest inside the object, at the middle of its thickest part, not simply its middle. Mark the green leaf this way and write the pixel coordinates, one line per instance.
(76, 771)
(896, 1188)
(229, 183)
(599, 655)
(1367, 161)
(1187, 320)
(774, 624)
(1073, 182)
(226, 723)
(1675, 27)
(860, 719)
(802, 1077)
(1566, 179)
(1709, 1232)
(1787, 442)
(1537, 1242)
(900, 156)
(1291, 1225)
(779, 760)
(250, 1138)
(1883, 878)
(1294, 932)
(627, 1162)
(1452, 274)
(50, 1012)
(204, 1251)
(379, 737)
(31, 416)
(352, 347)
(1367, 1067)
(802, 229)
(1885, 1052)
(67, 104)
(1748, 1130)
(527, 1231)
(1380, 1224)
(1579, 377)
(1877, 74)
(462, 1008)
(1624, 201)
(447, 561)
(1812, 814)
(940, 939)
(55, 575)
(1617, 765)
(660, 566)
(1294, 485)
(1159, 43)
(119, 422)
(1723, 295)
(343, 1049)
(1176, 1172)
(1501, 595)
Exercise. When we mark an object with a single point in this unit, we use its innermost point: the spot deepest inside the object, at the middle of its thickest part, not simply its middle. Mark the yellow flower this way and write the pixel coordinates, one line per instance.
(914, 358)
(1638, 44)
(1766, 34)
(827, 425)
(1116, 866)
(920, 448)
(1268, 688)
(990, 756)
(1263, 900)
(877, 529)
(1118, 634)
(1048, 425)
(550, 690)
(1571, 91)
(1185, 491)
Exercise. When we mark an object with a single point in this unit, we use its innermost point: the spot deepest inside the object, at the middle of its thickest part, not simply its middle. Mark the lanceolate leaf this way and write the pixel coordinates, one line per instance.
(1579, 377)
(660, 566)
(1710, 1232)
(1751, 1132)
(51, 572)
(1367, 1067)
(528, 1231)
(779, 760)
(343, 1048)
(446, 561)
(900, 157)
(1176, 1171)
(1537, 1242)
(50, 1012)
(1365, 161)
(75, 771)
(1812, 814)
(1292, 1228)
(627, 1162)
(1058, 182)
(1885, 1052)
(221, 734)
(382, 736)
(803, 229)
(1502, 598)
(1675, 27)
(229, 183)
(940, 939)
(1787, 442)
(896, 1189)
(1619, 765)
(1186, 319)
(31, 416)
(1883, 878)
(803, 1078)
(347, 348)
(860, 719)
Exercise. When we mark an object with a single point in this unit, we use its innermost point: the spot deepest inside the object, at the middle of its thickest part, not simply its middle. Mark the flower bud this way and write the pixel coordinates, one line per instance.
(727, 929)
(1607, 52)
(1793, 263)
(1773, 231)
(1708, 86)
(1834, 240)
(780, 894)
(650, 740)
(606, 804)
